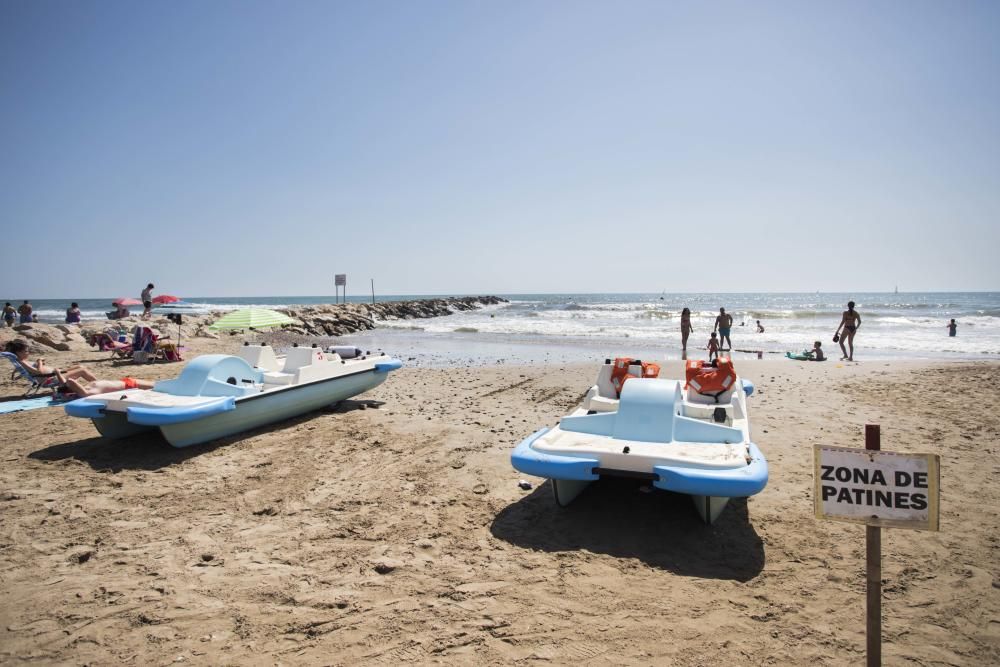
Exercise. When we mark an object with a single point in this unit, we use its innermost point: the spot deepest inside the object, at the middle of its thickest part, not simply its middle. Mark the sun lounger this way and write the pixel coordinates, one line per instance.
(108, 340)
(36, 382)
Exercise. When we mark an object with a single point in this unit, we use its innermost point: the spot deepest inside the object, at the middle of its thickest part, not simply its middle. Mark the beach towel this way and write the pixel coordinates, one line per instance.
(20, 405)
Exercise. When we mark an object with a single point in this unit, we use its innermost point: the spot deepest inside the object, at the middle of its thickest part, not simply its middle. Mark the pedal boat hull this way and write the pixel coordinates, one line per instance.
(659, 445)
(205, 419)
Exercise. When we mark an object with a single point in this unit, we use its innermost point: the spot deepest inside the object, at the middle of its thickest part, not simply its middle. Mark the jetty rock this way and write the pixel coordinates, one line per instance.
(42, 337)
(345, 318)
(326, 320)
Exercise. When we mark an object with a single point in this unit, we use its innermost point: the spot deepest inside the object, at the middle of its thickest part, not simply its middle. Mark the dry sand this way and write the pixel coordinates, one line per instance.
(392, 530)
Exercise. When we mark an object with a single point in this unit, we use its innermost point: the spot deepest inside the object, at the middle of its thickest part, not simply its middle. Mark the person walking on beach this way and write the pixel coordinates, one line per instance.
(952, 328)
(147, 301)
(8, 314)
(685, 329)
(849, 322)
(24, 310)
(724, 325)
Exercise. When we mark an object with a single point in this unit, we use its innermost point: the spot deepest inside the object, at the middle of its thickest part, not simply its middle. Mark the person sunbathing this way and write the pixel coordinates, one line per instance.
(40, 369)
(95, 386)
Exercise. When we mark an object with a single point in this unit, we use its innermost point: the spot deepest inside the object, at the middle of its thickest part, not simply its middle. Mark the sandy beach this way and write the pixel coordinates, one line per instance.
(392, 530)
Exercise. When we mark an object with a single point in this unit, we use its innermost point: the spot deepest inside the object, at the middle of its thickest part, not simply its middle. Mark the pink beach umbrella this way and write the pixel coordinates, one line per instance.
(126, 301)
(166, 298)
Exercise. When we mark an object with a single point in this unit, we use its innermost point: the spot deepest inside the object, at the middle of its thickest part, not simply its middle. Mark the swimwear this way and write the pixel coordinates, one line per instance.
(130, 383)
(724, 333)
(850, 328)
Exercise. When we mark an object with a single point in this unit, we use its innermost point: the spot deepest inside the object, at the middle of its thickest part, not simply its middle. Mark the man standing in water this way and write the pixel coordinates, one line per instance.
(850, 322)
(724, 325)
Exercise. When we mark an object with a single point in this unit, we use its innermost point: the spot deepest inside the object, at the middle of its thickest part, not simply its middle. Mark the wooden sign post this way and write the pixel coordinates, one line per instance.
(873, 568)
(881, 490)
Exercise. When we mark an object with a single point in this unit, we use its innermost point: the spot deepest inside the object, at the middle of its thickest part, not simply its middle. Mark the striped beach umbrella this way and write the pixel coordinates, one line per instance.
(252, 318)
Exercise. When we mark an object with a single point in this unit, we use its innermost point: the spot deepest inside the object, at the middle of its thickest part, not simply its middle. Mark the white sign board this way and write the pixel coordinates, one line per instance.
(877, 488)
(340, 280)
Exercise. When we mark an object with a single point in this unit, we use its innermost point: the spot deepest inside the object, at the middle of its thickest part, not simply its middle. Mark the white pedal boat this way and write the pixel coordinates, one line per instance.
(218, 395)
(659, 430)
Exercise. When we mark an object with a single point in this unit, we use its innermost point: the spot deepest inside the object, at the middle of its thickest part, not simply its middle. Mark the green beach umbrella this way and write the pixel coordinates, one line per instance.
(252, 318)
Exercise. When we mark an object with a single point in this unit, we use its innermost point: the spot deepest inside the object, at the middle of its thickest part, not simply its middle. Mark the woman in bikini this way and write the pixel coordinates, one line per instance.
(39, 368)
(849, 322)
(94, 386)
(685, 328)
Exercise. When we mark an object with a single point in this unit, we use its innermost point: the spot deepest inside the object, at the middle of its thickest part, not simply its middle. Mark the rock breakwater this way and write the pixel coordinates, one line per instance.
(342, 319)
(319, 320)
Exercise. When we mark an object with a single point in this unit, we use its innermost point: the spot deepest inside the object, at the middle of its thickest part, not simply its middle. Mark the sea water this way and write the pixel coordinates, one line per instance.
(580, 327)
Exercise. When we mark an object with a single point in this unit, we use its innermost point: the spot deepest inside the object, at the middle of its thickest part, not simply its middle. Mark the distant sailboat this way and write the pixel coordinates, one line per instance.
(897, 290)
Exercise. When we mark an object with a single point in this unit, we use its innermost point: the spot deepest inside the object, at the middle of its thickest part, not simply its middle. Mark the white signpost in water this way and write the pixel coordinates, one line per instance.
(879, 489)
(340, 280)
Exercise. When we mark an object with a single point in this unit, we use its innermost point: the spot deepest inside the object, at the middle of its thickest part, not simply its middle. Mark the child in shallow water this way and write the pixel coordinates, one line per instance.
(713, 347)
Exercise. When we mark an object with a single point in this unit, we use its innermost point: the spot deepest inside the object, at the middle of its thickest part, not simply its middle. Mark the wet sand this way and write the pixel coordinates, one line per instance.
(392, 530)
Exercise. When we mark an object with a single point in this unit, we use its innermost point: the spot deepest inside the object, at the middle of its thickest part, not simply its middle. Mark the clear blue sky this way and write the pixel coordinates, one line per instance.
(256, 148)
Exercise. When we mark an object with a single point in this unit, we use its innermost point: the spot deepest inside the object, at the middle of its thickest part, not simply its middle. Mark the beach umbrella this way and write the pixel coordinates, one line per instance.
(126, 301)
(166, 298)
(252, 318)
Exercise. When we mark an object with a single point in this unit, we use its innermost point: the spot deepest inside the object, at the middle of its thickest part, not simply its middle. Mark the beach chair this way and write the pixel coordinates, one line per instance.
(168, 351)
(36, 382)
(108, 341)
(143, 345)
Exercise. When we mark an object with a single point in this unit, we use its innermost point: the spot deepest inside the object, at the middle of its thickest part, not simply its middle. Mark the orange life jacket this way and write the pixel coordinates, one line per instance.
(710, 380)
(619, 372)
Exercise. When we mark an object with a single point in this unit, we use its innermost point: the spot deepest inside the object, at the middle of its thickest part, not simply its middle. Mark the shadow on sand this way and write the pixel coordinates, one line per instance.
(149, 451)
(661, 529)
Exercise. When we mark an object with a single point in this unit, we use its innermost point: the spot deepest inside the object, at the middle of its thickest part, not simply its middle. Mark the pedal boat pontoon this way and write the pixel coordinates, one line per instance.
(678, 439)
(219, 395)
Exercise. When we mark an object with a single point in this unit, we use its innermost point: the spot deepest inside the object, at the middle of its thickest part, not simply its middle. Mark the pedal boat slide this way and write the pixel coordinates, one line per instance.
(219, 395)
(660, 430)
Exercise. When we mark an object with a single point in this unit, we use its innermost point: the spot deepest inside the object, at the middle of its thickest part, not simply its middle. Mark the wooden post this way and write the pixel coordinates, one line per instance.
(873, 566)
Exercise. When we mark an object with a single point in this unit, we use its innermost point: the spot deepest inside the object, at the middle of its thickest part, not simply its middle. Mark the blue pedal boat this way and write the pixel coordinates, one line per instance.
(219, 395)
(658, 430)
